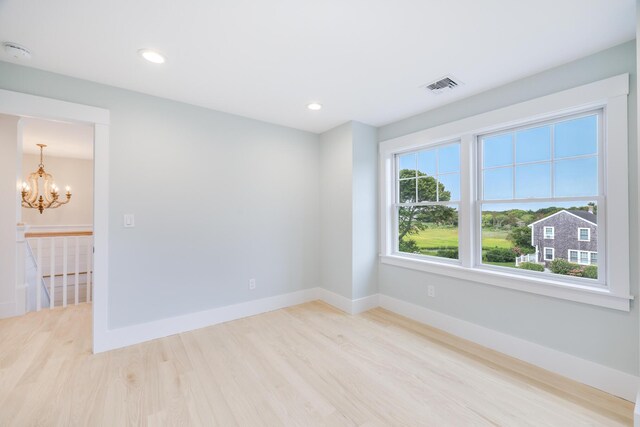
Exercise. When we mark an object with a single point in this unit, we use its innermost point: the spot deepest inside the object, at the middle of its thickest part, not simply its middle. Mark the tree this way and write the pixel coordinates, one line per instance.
(521, 237)
(412, 219)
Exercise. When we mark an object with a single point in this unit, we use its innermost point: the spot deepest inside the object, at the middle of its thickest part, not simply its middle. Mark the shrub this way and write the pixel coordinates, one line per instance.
(590, 271)
(500, 255)
(409, 246)
(531, 266)
(448, 253)
(562, 266)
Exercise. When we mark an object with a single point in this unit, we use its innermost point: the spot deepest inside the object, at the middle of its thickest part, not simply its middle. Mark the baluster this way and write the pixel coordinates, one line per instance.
(76, 269)
(52, 273)
(39, 275)
(65, 268)
(89, 264)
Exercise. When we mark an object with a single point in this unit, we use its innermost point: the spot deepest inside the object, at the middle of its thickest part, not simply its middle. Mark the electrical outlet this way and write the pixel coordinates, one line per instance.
(431, 291)
(252, 284)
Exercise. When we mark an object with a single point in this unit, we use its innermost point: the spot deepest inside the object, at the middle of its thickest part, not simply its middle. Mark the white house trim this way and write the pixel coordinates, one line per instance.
(563, 210)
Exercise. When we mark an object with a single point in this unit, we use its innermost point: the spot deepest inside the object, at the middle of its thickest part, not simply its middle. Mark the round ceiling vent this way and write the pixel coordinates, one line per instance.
(17, 51)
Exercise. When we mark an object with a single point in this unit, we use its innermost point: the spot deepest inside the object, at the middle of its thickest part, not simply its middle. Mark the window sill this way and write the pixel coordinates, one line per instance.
(548, 287)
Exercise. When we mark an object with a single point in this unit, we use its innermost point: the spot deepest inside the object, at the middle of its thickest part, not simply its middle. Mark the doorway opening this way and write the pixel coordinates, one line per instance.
(17, 110)
(57, 211)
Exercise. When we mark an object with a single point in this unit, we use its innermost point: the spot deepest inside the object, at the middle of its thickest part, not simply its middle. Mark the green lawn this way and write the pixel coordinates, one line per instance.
(443, 237)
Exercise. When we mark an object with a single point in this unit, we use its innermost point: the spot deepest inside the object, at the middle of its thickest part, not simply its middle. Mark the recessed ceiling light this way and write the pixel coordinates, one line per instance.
(152, 56)
(314, 106)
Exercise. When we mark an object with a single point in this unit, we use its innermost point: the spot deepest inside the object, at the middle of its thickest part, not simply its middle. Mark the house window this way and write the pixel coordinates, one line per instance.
(573, 256)
(584, 257)
(427, 204)
(584, 234)
(549, 254)
(470, 199)
(594, 258)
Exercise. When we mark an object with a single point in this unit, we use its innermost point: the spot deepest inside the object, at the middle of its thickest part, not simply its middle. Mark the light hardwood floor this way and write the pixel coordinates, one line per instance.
(302, 366)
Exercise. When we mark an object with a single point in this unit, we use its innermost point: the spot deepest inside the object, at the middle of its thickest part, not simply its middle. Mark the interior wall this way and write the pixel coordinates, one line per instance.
(78, 174)
(218, 199)
(336, 154)
(365, 210)
(605, 336)
(8, 220)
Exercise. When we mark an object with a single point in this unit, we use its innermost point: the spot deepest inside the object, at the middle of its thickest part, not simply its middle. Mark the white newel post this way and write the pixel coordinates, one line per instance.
(21, 271)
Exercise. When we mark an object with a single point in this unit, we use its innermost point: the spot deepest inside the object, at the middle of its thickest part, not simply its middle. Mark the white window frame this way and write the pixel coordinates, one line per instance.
(610, 95)
(588, 234)
(552, 235)
(397, 203)
(544, 254)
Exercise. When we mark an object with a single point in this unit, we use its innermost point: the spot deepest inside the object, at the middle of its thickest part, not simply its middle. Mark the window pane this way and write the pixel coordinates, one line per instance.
(584, 257)
(449, 187)
(497, 150)
(594, 258)
(498, 184)
(407, 191)
(573, 256)
(576, 177)
(533, 145)
(427, 191)
(427, 162)
(429, 230)
(584, 234)
(513, 235)
(449, 158)
(407, 163)
(533, 180)
(576, 137)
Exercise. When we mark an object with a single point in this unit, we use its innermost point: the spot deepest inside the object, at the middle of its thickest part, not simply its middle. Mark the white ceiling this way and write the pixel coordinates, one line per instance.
(362, 59)
(62, 139)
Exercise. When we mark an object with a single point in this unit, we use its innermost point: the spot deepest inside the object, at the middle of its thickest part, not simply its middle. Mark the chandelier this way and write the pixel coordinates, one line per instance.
(31, 197)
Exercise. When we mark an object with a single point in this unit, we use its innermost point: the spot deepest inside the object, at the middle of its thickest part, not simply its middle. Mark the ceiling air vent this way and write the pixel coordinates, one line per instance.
(445, 84)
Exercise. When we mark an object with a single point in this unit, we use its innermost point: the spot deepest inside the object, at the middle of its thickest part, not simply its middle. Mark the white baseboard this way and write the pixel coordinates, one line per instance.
(129, 335)
(593, 374)
(347, 305)
(7, 309)
(636, 412)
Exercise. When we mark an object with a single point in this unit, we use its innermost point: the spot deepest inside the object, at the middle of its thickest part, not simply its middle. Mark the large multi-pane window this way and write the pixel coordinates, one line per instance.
(538, 192)
(531, 197)
(427, 201)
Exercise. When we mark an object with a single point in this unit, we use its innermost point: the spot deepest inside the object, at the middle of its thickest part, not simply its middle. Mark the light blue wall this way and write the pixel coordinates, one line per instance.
(336, 154)
(218, 199)
(365, 210)
(605, 336)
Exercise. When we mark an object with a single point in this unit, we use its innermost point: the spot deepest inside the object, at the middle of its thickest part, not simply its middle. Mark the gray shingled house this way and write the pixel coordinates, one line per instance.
(568, 234)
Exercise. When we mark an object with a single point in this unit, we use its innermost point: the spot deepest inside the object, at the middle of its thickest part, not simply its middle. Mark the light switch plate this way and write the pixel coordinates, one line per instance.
(129, 220)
